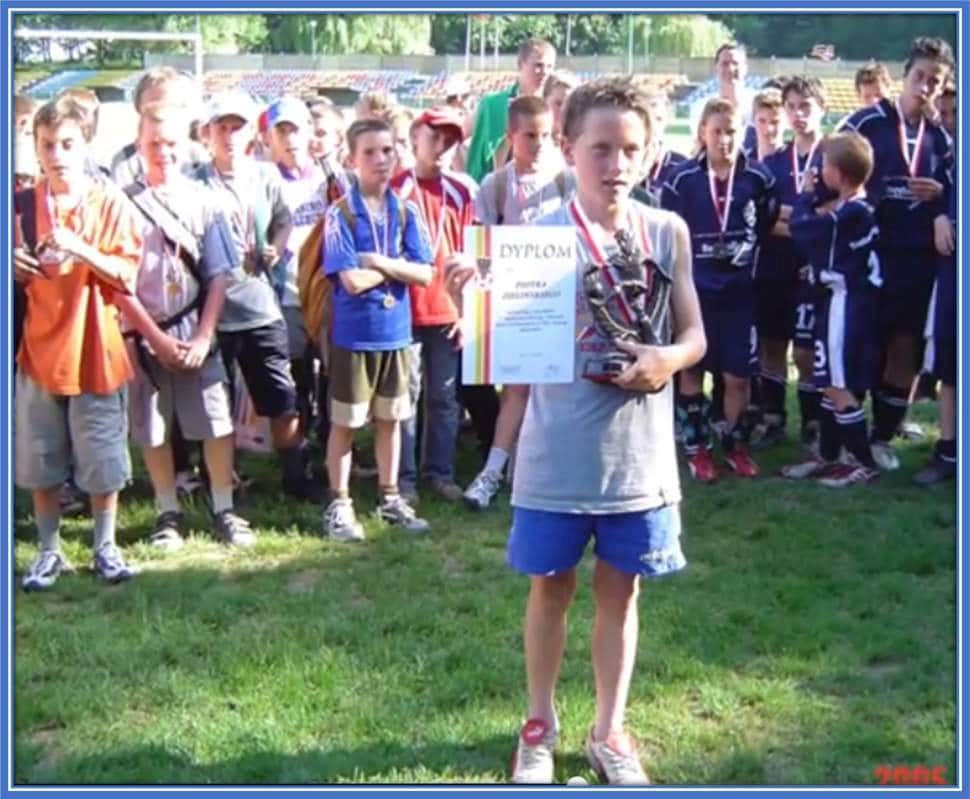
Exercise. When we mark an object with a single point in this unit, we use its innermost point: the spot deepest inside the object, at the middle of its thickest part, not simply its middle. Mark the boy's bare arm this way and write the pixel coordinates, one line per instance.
(357, 281)
(201, 343)
(398, 269)
(167, 349)
(114, 270)
(654, 366)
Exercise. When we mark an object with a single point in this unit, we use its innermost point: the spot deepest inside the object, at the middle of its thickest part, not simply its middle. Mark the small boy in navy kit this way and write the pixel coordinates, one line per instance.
(728, 202)
(840, 238)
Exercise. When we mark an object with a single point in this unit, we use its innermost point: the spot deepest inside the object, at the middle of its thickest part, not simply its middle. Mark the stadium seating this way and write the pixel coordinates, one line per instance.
(411, 87)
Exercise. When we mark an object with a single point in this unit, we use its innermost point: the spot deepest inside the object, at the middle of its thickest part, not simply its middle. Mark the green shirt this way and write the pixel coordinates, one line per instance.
(491, 123)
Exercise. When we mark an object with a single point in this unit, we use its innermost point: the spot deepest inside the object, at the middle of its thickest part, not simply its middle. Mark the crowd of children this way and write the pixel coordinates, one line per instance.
(143, 287)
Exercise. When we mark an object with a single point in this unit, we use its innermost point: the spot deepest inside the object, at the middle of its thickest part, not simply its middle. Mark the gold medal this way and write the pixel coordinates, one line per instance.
(389, 301)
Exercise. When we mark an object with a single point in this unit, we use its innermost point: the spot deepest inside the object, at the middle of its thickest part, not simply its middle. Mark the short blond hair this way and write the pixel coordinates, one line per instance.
(163, 111)
(767, 100)
(851, 154)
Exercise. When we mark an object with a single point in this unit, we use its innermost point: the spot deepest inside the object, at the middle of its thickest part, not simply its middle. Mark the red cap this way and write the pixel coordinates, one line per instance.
(263, 123)
(443, 117)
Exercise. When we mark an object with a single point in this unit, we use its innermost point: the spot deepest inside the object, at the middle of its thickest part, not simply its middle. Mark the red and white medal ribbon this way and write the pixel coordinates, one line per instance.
(911, 159)
(801, 175)
(721, 215)
(598, 251)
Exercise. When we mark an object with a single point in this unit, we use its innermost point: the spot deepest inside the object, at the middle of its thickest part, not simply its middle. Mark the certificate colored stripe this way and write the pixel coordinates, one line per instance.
(487, 336)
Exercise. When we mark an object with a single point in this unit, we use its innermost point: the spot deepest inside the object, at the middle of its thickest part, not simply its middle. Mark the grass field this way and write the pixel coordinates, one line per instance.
(811, 639)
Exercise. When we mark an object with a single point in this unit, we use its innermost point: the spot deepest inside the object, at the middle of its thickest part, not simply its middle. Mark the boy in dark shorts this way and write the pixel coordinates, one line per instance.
(912, 154)
(728, 202)
(375, 246)
(840, 239)
(783, 277)
(941, 326)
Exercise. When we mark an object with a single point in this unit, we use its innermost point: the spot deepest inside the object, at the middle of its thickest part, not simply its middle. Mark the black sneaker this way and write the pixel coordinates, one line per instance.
(936, 471)
(74, 502)
(167, 534)
(771, 435)
(233, 530)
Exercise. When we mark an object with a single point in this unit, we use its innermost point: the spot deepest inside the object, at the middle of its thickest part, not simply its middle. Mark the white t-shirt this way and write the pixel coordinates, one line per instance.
(528, 197)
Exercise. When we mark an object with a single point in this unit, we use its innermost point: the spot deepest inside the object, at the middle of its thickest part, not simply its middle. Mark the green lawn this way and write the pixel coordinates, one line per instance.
(811, 639)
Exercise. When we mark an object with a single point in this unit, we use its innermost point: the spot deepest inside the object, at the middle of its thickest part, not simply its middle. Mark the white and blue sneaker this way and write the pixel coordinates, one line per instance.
(44, 571)
(110, 566)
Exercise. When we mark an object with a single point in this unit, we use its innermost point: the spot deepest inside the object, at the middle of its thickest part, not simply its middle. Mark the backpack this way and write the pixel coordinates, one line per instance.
(501, 182)
(313, 285)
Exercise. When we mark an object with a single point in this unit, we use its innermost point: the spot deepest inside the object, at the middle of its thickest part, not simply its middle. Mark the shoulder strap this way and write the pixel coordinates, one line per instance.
(25, 201)
(176, 234)
(346, 212)
(501, 186)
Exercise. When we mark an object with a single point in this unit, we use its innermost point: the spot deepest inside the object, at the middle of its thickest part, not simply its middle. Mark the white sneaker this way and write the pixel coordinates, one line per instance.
(617, 768)
(846, 475)
(44, 571)
(884, 455)
(397, 511)
(533, 762)
(809, 467)
(340, 521)
(483, 489)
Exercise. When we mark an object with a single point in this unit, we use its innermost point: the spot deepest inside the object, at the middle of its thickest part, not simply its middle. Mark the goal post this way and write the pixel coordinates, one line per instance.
(144, 36)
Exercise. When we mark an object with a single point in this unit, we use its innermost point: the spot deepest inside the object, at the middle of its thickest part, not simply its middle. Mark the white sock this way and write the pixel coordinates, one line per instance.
(497, 458)
(221, 499)
(167, 501)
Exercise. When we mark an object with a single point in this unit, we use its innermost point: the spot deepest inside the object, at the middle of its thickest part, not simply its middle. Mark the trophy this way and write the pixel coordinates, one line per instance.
(629, 298)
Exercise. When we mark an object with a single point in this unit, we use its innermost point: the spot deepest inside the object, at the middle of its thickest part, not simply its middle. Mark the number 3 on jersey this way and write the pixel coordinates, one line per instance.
(821, 358)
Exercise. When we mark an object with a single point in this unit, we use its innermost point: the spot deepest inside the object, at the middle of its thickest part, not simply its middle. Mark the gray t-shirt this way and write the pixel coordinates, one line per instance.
(252, 203)
(528, 197)
(164, 284)
(595, 448)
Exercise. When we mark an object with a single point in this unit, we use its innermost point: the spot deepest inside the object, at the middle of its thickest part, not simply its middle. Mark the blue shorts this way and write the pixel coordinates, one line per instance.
(646, 543)
(732, 341)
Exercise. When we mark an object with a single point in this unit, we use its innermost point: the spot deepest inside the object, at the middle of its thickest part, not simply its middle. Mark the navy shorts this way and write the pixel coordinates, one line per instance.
(908, 277)
(774, 301)
(264, 360)
(732, 340)
(785, 311)
(846, 340)
(941, 326)
(646, 543)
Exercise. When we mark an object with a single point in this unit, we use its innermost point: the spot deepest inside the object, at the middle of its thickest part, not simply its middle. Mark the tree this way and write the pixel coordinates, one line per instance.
(856, 36)
(339, 34)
